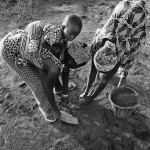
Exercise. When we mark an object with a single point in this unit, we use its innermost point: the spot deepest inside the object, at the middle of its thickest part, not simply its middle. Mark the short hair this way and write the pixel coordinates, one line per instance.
(73, 20)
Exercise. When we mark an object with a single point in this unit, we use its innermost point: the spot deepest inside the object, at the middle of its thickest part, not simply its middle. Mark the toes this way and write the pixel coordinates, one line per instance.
(50, 117)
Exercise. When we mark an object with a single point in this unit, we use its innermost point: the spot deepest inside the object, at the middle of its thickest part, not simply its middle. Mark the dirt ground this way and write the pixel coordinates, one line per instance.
(22, 126)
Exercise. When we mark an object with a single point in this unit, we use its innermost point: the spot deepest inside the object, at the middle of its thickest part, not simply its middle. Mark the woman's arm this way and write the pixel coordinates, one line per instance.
(104, 81)
(93, 71)
(92, 76)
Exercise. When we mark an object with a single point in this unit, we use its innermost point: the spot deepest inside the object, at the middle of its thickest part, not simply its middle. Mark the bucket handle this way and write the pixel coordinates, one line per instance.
(137, 109)
(120, 81)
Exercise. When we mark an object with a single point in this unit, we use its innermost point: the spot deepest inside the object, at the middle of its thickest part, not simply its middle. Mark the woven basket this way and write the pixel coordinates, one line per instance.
(124, 100)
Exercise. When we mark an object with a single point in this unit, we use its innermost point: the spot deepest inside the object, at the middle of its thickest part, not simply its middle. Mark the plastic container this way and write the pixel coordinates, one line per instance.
(124, 100)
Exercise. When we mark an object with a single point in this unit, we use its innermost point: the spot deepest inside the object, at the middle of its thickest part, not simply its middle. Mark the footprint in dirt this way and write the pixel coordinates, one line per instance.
(23, 85)
(143, 135)
(1, 101)
(27, 110)
(8, 107)
(24, 109)
(2, 142)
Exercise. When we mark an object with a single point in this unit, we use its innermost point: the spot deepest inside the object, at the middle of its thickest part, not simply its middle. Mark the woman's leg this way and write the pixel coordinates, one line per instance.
(31, 75)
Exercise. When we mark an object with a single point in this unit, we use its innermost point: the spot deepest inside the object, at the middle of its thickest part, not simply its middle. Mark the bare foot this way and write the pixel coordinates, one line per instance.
(48, 115)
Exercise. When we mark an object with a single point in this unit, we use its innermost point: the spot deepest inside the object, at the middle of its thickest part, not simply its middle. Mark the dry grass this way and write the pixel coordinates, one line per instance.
(19, 10)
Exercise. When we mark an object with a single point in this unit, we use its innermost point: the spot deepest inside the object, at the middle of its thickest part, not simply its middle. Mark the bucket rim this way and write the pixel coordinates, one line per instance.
(130, 107)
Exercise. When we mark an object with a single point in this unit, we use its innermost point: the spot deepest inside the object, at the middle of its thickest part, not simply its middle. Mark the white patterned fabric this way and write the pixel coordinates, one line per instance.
(80, 54)
(105, 59)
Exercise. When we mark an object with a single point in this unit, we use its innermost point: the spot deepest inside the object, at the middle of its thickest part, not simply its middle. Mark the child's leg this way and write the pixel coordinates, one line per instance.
(58, 86)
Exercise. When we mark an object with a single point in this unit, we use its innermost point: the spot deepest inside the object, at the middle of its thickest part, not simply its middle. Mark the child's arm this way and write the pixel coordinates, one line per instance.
(65, 81)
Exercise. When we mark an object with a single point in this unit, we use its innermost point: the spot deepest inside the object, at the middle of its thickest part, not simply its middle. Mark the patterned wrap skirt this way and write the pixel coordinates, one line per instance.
(29, 72)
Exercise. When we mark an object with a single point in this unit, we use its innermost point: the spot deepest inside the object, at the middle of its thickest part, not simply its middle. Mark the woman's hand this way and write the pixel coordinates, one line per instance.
(56, 114)
(83, 96)
(86, 101)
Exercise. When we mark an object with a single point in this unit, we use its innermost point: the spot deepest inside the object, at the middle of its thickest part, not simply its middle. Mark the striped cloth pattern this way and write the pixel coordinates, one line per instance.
(79, 53)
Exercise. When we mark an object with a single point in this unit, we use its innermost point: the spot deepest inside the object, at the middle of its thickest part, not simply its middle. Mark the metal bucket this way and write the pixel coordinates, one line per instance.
(124, 100)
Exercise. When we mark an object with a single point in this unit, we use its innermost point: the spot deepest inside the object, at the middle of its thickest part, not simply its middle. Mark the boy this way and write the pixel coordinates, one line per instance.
(77, 55)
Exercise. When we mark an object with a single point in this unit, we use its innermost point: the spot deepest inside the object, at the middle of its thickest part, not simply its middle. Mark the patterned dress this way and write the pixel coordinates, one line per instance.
(22, 51)
(122, 37)
(26, 43)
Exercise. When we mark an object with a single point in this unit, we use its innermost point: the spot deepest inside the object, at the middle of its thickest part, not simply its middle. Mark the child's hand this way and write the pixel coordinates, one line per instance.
(61, 57)
(65, 100)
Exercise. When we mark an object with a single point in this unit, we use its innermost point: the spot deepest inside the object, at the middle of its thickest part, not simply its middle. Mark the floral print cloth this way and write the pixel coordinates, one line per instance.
(30, 47)
(53, 34)
(122, 37)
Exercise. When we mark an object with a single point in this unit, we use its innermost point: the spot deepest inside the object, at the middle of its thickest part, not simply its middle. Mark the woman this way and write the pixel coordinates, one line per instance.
(34, 55)
(116, 45)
